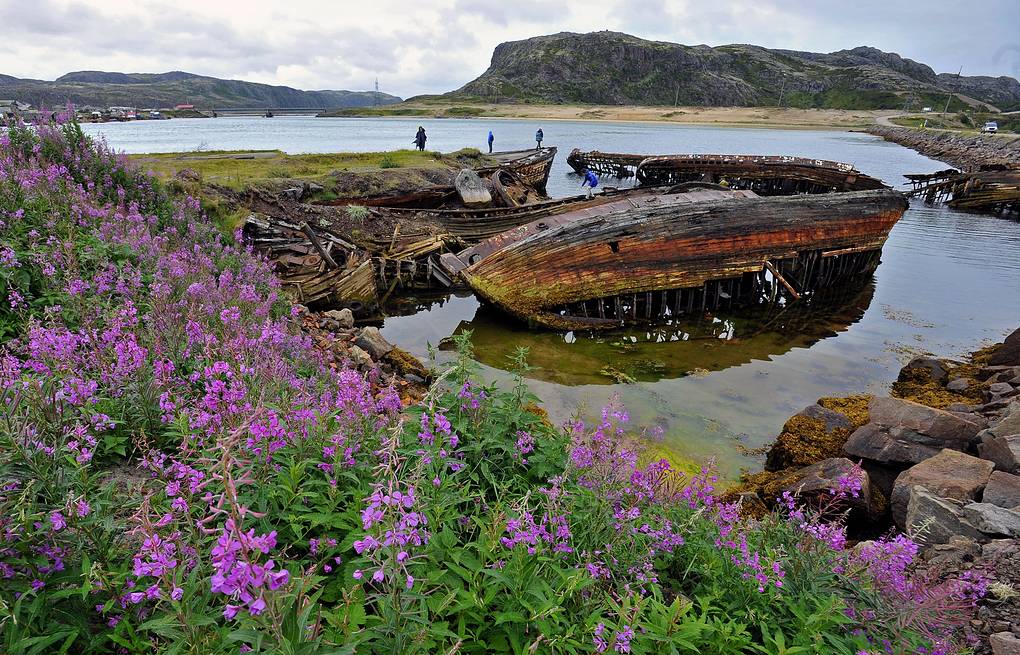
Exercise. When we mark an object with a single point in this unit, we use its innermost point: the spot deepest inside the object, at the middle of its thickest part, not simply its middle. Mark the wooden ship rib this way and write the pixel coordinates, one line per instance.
(763, 174)
(678, 253)
(992, 188)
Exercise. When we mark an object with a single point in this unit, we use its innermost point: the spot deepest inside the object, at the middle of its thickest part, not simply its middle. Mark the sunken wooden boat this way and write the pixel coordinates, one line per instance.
(475, 225)
(532, 167)
(604, 164)
(994, 188)
(678, 253)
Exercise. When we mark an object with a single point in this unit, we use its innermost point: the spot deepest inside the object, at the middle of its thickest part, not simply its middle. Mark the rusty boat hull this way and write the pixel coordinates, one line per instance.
(680, 253)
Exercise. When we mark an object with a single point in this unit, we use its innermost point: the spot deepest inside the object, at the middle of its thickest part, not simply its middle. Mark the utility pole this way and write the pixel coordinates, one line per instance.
(946, 108)
(676, 98)
(782, 89)
(377, 101)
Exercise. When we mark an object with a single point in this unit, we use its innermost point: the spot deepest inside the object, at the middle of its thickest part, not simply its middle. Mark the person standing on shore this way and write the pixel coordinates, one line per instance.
(539, 135)
(490, 142)
(591, 180)
(420, 138)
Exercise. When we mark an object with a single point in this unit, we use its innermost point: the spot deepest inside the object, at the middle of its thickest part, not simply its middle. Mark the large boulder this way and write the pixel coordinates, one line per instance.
(820, 479)
(344, 317)
(1008, 353)
(949, 474)
(934, 368)
(930, 519)
(1008, 423)
(905, 432)
(1004, 451)
(992, 519)
(1003, 489)
(371, 341)
(1004, 643)
(810, 435)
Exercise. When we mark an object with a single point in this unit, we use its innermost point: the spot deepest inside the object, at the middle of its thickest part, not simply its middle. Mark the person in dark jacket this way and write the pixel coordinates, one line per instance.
(490, 141)
(591, 180)
(539, 135)
(420, 138)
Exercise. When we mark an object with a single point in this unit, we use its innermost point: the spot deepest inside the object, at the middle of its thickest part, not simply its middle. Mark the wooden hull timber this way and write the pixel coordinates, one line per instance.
(680, 254)
(993, 190)
(531, 166)
(475, 225)
(763, 174)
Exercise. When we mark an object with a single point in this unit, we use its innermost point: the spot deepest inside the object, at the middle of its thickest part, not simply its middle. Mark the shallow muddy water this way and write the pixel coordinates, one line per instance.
(948, 283)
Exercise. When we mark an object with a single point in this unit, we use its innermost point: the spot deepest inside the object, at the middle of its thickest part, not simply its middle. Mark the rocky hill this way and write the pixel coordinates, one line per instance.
(105, 89)
(615, 68)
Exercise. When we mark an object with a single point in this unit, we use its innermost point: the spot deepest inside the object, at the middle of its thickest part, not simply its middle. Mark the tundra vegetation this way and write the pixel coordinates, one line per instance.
(181, 472)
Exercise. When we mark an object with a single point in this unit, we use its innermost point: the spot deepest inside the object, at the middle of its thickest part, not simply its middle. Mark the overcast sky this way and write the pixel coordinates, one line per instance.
(433, 46)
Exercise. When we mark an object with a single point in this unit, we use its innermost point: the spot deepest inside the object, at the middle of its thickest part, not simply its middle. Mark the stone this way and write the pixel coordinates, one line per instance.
(1003, 489)
(1000, 388)
(813, 481)
(1003, 451)
(811, 435)
(1009, 423)
(359, 357)
(343, 317)
(1008, 352)
(952, 554)
(905, 432)
(992, 519)
(957, 385)
(949, 474)
(936, 369)
(931, 520)
(995, 371)
(414, 379)
(371, 341)
(961, 407)
(293, 193)
(1004, 643)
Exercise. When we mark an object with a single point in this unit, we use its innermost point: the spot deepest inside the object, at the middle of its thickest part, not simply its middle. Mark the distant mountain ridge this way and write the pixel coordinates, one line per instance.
(108, 89)
(616, 68)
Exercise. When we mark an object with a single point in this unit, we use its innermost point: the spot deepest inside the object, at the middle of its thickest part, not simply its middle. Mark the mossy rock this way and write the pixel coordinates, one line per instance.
(920, 386)
(405, 363)
(812, 435)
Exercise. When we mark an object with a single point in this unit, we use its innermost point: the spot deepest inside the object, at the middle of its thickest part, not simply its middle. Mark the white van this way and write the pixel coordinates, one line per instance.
(991, 127)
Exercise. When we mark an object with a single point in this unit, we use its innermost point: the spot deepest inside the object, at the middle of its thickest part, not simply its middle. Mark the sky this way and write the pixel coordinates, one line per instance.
(434, 46)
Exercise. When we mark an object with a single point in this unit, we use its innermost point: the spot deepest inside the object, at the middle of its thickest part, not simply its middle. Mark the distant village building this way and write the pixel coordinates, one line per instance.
(185, 106)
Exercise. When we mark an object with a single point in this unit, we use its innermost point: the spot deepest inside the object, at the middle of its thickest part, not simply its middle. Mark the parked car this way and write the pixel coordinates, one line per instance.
(991, 127)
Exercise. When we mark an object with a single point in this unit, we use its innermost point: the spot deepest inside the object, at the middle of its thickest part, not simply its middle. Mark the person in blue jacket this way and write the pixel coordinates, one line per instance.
(539, 135)
(490, 141)
(591, 180)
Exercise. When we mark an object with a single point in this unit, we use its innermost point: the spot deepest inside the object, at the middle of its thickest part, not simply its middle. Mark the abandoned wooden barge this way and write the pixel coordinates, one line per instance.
(678, 253)
(993, 188)
(766, 175)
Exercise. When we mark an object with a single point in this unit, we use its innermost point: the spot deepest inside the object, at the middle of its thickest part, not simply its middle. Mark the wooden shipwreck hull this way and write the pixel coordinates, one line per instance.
(766, 175)
(679, 253)
(531, 166)
(994, 189)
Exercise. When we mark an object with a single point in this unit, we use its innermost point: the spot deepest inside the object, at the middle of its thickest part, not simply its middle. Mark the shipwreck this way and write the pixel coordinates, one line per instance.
(993, 188)
(678, 253)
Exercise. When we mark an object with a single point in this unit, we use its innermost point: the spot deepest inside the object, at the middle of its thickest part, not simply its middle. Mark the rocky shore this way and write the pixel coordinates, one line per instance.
(964, 151)
(940, 462)
(364, 348)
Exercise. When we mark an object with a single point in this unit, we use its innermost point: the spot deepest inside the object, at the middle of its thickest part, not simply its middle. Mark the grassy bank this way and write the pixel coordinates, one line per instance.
(239, 170)
(785, 118)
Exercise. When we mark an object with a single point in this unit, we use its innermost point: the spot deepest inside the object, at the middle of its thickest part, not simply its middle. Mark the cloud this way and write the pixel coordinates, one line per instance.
(432, 46)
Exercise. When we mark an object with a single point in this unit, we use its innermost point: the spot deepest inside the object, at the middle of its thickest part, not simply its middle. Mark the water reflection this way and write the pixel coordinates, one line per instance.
(665, 351)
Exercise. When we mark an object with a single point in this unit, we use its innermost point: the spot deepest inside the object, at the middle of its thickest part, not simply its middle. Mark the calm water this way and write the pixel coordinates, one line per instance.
(948, 283)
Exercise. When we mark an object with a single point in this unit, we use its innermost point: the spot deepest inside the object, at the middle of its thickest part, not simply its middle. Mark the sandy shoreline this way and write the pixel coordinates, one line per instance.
(752, 117)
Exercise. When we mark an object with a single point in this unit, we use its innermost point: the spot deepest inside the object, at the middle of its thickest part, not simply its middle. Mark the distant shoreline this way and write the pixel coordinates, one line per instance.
(751, 117)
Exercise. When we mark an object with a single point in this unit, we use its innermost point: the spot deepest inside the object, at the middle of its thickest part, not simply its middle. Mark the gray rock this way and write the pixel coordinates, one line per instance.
(1009, 423)
(293, 193)
(905, 432)
(1004, 643)
(414, 379)
(1004, 451)
(959, 384)
(822, 477)
(832, 419)
(931, 520)
(949, 474)
(343, 317)
(359, 357)
(994, 371)
(992, 519)
(1003, 489)
(372, 342)
(1008, 353)
(1000, 388)
(935, 367)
